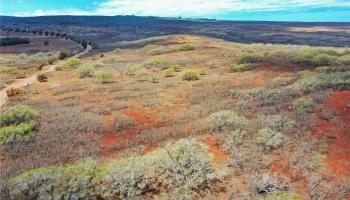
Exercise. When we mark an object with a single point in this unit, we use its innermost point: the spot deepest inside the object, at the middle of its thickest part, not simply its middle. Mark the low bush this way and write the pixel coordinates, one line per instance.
(283, 196)
(276, 122)
(157, 62)
(135, 71)
(16, 115)
(303, 105)
(117, 51)
(175, 67)
(169, 72)
(270, 139)
(190, 75)
(266, 97)
(202, 71)
(187, 47)
(267, 184)
(21, 75)
(15, 132)
(105, 76)
(248, 59)
(63, 55)
(226, 119)
(323, 69)
(317, 82)
(282, 81)
(51, 61)
(235, 137)
(42, 78)
(72, 63)
(11, 92)
(323, 59)
(86, 71)
(181, 166)
(345, 60)
(240, 67)
(9, 70)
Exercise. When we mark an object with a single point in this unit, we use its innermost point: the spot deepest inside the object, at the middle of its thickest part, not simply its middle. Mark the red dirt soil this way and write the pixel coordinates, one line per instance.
(219, 154)
(338, 135)
(258, 82)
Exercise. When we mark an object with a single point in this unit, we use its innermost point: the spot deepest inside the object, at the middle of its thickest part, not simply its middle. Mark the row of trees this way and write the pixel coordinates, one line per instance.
(66, 36)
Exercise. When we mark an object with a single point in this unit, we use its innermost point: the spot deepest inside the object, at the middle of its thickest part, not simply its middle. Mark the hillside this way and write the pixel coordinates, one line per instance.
(107, 30)
(182, 117)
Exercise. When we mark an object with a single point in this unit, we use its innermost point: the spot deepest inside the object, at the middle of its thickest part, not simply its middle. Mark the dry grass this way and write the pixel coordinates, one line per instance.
(83, 118)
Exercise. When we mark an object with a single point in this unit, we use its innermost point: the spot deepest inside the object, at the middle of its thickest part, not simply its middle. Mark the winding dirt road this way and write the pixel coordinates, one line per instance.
(29, 80)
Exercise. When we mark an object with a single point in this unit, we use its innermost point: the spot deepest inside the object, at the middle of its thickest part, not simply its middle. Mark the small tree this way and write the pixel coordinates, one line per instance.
(63, 55)
(42, 78)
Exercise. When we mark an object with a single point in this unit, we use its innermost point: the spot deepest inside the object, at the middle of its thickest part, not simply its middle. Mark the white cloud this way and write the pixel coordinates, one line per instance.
(41, 12)
(205, 7)
(187, 8)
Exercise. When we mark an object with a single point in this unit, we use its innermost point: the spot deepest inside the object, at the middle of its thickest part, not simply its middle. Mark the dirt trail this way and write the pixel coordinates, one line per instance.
(29, 80)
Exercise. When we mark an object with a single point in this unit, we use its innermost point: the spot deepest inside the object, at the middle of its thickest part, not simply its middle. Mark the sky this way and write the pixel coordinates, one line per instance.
(265, 10)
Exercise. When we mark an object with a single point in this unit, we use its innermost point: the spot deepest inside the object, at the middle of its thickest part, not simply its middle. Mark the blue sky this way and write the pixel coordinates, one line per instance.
(271, 10)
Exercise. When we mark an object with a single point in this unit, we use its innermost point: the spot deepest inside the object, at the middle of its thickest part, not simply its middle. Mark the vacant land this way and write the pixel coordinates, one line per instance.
(183, 117)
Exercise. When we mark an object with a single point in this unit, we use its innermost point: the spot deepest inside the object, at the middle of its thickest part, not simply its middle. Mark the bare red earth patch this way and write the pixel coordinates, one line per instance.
(258, 82)
(219, 154)
(337, 134)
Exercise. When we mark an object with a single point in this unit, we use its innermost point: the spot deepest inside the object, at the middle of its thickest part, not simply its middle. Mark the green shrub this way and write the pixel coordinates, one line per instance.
(187, 47)
(42, 78)
(246, 59)
(16, 115)
(202, 71)
(9, 70)
(21, 75)
(276, 122)
(282, 196)
(156, 51)
(157, 62)
(15, 132)
(86, 71)
(235, 137)
(266, 97)
(303, 105)
(72, 63)
(169, 72)
(105, 76)
(270, 139)
(63, 55)
(226, 119)
(181, 166)
(117, 51)
(282, 81)
(322, 60)
(240, 67)
(317, 82)
(323, 69)
(345, 60)
(11, 92)
(190, 75)
(135, 71)
(175, 67)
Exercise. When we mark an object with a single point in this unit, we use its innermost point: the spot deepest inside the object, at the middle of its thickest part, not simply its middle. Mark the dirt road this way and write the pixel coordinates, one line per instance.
(29, 80)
